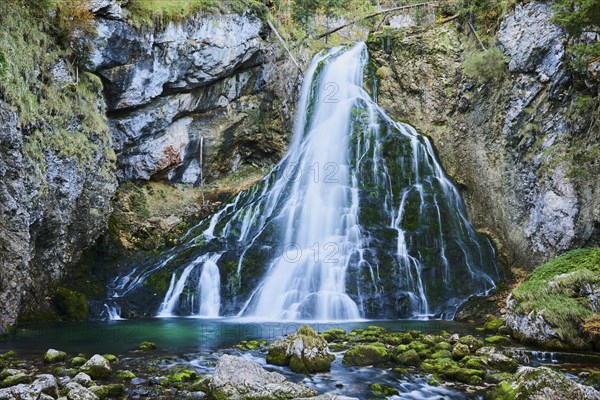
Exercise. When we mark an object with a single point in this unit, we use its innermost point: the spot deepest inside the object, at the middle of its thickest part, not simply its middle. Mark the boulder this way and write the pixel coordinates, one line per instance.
(77, 392)
(43, 387)
(543, 384)
(305, 352)
(53, 356)
(460, 350)
(83, 379)
(368, 354)
(97, 367)
(237, 378)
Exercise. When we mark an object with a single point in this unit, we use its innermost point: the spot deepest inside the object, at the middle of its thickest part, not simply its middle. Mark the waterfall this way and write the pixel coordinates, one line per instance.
(208, 287)
(358, 220)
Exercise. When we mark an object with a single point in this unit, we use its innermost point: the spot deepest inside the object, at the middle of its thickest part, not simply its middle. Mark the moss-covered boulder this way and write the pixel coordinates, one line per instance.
(77, 361)
(472, 342)
(335, 335)
(54, 356)
(97, 367)
(493, 324)
(460, 350)
(111, 358)
(551, 308)
(497, 341)
(497, 360)
(305, 352)
(125, 375)
(113, 390)
(144, 346)
(383, 390)
(409, 357)
(542, 383)
(16, 379)
(70, 304)
(366, 354)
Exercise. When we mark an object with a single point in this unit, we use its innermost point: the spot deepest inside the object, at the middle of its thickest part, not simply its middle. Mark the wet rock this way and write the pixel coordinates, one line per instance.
(53, 356)
(305, 352)
(543, 384)
(409, 357)
(77, 392)
(236, 378)
(97, 367)
(83, 379)
(497, 360)
(77, 361)
(108, 391)
(460, 350)
(328, 396)
(369, 354)
(43, 387)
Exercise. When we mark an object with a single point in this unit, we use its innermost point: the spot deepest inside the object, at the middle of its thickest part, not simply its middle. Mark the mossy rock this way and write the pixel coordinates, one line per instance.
(368, 354)
(492, 324)
(144, 346)
(182, 375)
(498, 377)
(54, 356)
(16, 379)
(277, 354)
(335, 335)
(441, 354)
(70, 304)
(383, 390)
(111, 358)
(9, 355)
(125, 375)
(77, 361)
(409, 357)
(397, 338)
(443, 346)
(505, 390)
(460, 350)
(498, 340)
(475, 362)
(113, 390)
(471, 341)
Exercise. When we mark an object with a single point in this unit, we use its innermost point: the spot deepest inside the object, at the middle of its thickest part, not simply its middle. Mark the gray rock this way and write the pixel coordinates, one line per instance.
(97, 367)
(238, 378)
(533, 43)
(177, 57)
(77, 392)
(328, 396)
(42, 388)
(53, 356)
(545, 384)
(83, 379)
(305, 352)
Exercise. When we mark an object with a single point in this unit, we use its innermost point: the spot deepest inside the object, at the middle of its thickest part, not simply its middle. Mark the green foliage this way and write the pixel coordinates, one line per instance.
(485, 66)
(577, 17)
(150, 12)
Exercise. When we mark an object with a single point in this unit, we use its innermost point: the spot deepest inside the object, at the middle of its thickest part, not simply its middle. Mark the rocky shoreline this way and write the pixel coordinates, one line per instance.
(486, 365)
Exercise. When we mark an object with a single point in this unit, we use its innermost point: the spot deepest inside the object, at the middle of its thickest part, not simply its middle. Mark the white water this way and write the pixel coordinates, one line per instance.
(113, 312)
(306, 211)
(208, 289)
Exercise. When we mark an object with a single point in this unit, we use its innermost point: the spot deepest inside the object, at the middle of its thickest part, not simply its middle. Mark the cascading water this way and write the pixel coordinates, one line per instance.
(357, 220)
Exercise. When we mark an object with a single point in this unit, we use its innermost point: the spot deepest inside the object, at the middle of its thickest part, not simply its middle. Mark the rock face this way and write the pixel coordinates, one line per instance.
(305, 352)
(186, 93)
(515, 147)
(51, 208)
(237, 378)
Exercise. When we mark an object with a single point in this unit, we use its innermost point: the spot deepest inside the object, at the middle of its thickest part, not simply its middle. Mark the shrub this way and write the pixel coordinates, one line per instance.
(485, 66)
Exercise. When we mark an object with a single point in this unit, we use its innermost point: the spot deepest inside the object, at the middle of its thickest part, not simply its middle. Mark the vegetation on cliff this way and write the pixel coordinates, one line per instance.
(562, 291)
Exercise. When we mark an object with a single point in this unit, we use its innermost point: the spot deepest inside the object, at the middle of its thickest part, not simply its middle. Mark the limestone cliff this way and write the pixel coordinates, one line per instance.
(525, 159)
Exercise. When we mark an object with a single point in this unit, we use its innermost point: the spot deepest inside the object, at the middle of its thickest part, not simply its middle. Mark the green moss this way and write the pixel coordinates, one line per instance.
(441, 354)
(554, 296)
(72, 305)
(110, 358)
(147, 346)
(9, 355)
(383, 390)
(150, 12)
(16, 380)
(125, 375)
(498, 340)
(334, 335)
(409, 357)
(77, 361)
(492, 324)
(503, 391)
(54, 356)
(363, 355)
(115, 390)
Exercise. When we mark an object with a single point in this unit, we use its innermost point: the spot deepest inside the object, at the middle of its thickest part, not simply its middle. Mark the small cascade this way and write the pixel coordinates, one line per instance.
(208, 287)
(113, 312)
(358, 220)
